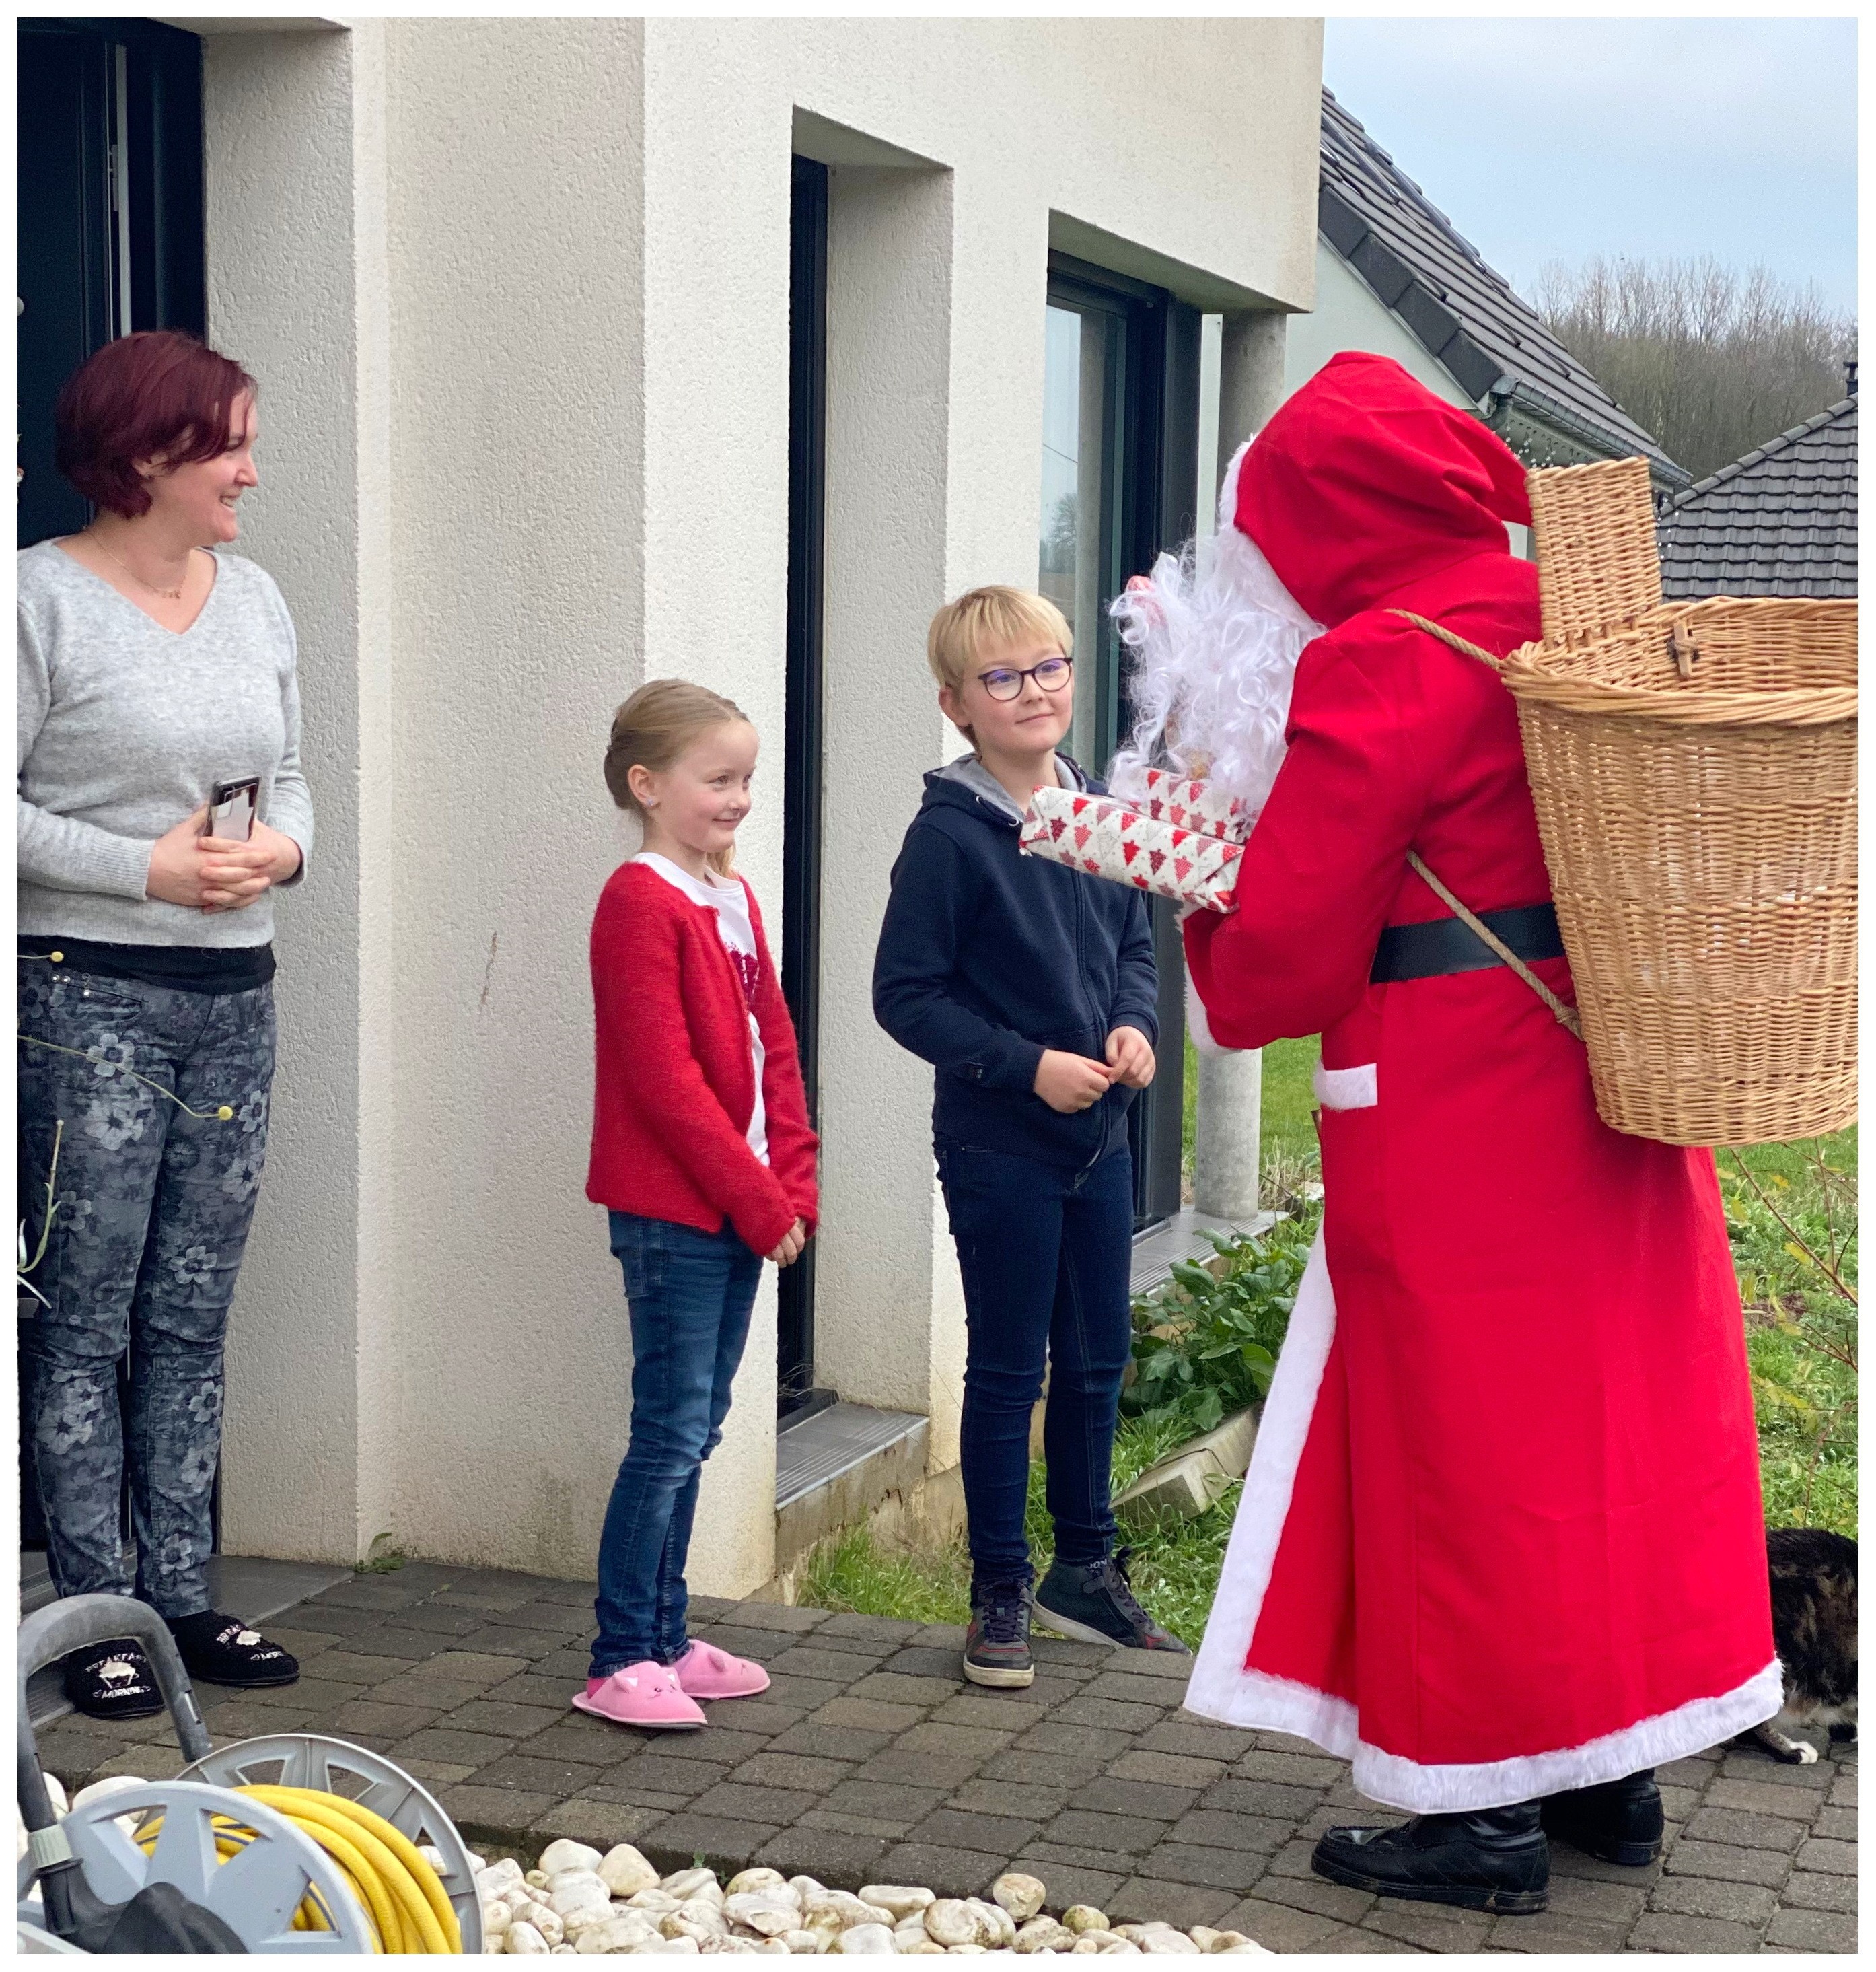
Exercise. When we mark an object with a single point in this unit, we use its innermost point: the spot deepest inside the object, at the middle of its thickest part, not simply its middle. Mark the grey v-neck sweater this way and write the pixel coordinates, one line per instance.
(124, 729)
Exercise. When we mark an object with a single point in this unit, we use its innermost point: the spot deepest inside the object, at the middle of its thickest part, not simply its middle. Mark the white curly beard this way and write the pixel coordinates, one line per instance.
(1214, 638)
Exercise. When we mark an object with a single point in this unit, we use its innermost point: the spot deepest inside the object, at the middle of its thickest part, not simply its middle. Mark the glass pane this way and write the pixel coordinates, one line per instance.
(1082, 354)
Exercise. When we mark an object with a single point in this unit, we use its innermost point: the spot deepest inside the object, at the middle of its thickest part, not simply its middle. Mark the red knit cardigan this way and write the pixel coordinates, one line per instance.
(675, 1086)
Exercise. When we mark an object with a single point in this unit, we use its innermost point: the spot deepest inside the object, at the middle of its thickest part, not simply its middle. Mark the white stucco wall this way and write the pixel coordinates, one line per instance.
(1349, 314)
(526, 377)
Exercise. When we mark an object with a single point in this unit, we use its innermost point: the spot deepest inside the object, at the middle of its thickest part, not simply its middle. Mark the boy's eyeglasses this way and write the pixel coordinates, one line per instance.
(1052, 674)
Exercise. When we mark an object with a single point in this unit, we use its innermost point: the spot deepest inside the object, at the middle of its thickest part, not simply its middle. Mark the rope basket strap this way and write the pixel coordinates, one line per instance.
(1565, 1016)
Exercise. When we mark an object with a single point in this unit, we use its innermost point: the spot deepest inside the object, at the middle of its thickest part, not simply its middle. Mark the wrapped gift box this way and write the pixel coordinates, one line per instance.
(1108, 838)
(1193, 804)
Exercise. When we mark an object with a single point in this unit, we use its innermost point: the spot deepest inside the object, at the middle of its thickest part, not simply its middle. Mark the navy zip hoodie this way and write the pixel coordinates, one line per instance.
(987, 957)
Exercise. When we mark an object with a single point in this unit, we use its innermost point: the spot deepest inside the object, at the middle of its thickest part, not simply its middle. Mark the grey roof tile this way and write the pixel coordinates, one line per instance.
(1779, 521)
(1461, 311)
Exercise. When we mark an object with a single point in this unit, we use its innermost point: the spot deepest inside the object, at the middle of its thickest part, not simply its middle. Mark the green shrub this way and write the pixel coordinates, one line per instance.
(1205, 1344)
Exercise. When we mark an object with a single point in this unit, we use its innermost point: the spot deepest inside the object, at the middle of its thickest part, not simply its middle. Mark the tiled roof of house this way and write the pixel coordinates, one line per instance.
(1781, 521)
(1464, 314)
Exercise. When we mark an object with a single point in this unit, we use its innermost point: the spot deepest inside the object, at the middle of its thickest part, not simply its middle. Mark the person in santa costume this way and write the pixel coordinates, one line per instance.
(1502, 1544)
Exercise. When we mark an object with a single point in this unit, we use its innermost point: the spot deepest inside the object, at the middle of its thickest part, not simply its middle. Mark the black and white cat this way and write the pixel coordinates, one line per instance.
(1814, 1628)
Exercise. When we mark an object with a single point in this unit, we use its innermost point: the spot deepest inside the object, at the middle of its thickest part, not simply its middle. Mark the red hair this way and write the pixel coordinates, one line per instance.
(158, 394)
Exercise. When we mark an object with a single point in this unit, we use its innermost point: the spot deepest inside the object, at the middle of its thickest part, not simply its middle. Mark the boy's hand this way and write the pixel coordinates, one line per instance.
(1129, 1057)
(1068, 1082)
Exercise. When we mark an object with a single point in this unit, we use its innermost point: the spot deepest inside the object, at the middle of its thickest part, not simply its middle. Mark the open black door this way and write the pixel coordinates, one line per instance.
(798, 1398)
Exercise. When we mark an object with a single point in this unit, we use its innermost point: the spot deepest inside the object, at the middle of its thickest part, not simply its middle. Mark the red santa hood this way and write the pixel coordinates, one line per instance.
(1364, 481)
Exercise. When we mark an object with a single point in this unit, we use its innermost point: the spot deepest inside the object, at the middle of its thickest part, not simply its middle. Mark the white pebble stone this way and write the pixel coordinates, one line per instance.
(1000, 1927)
(523, 1938)
(1079, 1918)
(953, 1923)
(860, 1939)
(575, 1888)
(920, 1947)
(557, 1950)
(747, 1880)
(655, 1899)
(497, 1877)
(625, 1872)
(685, 1884)
(901, 1900)
(563, 1854)
(538, 1877)
(805, 1887)
(771, 1912)
(548, 1923)
(1020, 1896)
(477, 1863)
(1044, 1934)
(1164, 1939)
(805, 1941)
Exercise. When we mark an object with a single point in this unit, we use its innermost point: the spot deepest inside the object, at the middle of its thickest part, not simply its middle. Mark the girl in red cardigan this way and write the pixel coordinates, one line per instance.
(702, 1155)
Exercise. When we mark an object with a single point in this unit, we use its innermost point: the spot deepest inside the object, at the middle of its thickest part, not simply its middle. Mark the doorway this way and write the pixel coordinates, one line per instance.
(110, 240)
(1119, 468)
(797, 1396)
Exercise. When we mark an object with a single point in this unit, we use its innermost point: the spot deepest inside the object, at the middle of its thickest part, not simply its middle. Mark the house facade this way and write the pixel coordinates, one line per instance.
(593, 351)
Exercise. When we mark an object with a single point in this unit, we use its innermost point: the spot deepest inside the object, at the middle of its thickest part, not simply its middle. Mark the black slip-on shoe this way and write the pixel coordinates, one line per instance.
(1619, 1821)
(223, 1650)
(112, 1681)
(1094, 1603)
(997, 1646)
(1497, 1859)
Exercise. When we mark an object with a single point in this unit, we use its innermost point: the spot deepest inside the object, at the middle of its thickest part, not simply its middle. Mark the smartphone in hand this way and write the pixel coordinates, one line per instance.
(232, 807)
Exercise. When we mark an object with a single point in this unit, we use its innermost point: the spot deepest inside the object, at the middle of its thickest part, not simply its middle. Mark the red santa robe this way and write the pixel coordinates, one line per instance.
(1502, 1534)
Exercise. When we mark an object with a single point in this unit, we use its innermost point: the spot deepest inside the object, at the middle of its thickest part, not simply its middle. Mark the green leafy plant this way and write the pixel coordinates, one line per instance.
(1205, 1344)
(381, 1557)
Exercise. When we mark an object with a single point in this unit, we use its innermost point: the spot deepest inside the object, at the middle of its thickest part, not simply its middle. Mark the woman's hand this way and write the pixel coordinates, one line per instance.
(1130, 1057)
(234, 873)
(207, 872)
(792, 1242)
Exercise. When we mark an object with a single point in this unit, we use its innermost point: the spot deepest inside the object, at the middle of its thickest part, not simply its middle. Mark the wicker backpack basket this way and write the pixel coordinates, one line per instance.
(1695, 771)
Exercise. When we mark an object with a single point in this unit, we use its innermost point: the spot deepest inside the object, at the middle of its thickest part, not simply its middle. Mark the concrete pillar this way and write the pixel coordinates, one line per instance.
(1226, 1146)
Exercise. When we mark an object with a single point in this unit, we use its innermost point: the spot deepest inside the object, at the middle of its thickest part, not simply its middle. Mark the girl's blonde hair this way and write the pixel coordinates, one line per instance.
(654, 728)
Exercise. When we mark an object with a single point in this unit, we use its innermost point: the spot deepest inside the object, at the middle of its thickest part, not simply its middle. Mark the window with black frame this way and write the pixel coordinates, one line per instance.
(1119, 468)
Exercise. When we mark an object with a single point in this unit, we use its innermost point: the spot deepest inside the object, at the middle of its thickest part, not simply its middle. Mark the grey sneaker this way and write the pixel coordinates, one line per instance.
(1095, 1602)
(997, 1646)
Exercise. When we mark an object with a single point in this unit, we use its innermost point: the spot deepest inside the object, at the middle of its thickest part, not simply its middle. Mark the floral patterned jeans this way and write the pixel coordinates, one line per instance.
(151, 1213)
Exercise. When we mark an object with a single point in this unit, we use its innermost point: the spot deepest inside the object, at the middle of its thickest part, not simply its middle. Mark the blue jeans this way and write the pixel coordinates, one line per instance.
(152, 1208)
(1045, 1254)
(690, 1295)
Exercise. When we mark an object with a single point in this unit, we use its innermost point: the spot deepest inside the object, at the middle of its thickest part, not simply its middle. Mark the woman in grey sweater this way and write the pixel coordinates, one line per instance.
(153, 665)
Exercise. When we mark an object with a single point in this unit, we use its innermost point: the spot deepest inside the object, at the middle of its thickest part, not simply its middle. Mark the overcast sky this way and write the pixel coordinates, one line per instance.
(1556, 139)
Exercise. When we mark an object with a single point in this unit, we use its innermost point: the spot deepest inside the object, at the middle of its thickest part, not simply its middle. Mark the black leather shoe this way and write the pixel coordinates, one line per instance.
(1495, 1860)
(1620, 1821)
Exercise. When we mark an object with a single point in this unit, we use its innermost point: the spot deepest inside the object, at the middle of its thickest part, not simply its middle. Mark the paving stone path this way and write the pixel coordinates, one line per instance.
(869, 1760)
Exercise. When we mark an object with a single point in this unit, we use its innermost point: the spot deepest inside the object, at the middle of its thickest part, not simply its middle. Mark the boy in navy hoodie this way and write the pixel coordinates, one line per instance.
(1030, 988)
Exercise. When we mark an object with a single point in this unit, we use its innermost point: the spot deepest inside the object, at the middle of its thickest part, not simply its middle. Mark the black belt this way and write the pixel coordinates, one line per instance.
(1446, 945)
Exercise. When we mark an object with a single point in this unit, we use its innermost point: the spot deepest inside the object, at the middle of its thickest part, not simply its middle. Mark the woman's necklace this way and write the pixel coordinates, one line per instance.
(171, 595)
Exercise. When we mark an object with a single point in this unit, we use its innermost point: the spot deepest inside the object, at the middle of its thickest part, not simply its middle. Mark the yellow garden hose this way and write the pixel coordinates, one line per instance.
(396, 1889)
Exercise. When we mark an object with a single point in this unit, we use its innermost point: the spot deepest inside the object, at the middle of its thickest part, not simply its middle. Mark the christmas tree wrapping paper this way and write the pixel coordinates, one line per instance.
(1107, 838)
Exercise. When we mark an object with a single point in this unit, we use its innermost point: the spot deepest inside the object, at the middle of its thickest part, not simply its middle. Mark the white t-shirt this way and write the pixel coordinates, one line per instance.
(728, 899)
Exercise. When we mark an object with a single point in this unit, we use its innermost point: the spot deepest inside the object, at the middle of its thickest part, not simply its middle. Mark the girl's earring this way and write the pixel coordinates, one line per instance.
(650, 803)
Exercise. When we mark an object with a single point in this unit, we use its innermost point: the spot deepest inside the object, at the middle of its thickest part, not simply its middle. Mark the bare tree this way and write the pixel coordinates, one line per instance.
(1712, 361)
